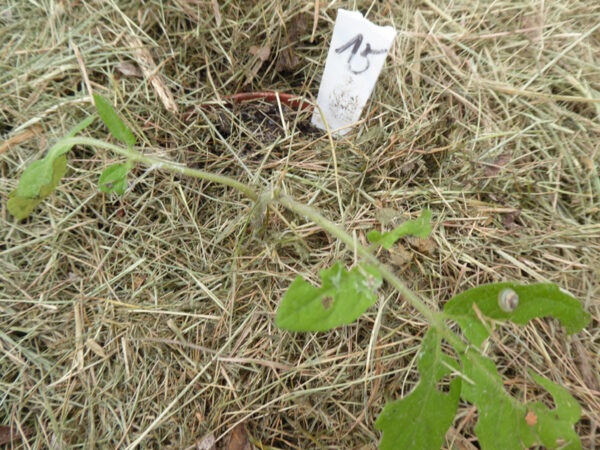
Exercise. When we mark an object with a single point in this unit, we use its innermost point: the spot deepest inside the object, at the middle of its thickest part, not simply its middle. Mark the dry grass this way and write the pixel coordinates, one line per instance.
(152, 315)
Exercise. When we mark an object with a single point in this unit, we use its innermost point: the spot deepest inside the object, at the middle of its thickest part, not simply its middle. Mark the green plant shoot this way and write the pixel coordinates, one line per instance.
(421, 419)
(113, 122)
(41, 178)
(503, 421)
(114, 178)
(420, 227)
(21, 206)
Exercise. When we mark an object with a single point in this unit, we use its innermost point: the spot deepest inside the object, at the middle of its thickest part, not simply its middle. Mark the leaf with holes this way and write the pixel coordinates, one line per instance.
(506, 423)
(341, 299)
(421, 419)
(420, 227)
(535, 300)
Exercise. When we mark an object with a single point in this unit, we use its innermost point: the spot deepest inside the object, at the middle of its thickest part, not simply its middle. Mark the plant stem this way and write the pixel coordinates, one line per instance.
(434, 318)
(134, 155)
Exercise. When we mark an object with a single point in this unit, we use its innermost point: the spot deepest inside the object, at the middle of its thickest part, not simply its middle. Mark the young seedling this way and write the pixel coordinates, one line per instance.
(422, 418)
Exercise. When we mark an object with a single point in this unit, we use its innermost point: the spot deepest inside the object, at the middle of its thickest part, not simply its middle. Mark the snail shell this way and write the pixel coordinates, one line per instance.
(508, 300)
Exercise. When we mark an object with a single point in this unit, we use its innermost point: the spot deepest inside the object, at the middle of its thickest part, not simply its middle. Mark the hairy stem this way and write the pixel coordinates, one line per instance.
(136, 156)
(434, 318)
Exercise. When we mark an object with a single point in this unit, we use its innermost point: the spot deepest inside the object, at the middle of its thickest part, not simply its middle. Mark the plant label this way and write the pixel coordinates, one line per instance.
(356, 55)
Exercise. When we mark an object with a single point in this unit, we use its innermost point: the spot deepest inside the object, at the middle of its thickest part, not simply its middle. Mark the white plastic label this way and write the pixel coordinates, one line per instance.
(356, 55)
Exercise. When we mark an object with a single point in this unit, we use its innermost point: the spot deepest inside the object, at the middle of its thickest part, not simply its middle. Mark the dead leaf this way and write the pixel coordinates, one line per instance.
(288, 60)
(297, 28)
(262, 54)
(531, 418)
(508, 219)
(150, 71)
(388, 216)
(423, 245)
(207, 442)
(217, 13)
(96, 348)
(20, 138)
(583, 361)
(129, 69)
(9, 435)
(500, 161)
(138, 281)
(238, 439)
(400, 256)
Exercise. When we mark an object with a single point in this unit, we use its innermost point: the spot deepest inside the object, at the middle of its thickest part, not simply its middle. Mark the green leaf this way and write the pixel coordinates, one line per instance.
(21, 207)
(36, 175)
(554, 426)
(535, 300)
(114, 178)
(41, 177)
(81, 126)
(40, 173)
(421, 419)
(420, 227)
(341, 299)
(113, 122)
(502, 420)
(500, 415)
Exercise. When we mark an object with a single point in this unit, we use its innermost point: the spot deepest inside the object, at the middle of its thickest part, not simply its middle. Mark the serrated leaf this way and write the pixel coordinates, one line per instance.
(535, 300)
(421, 419)
(554, 427)
(113, 122)
(114, 179)
(503, 421)
(420, 227)
(341, 299)
(21, 207)
(498, 413)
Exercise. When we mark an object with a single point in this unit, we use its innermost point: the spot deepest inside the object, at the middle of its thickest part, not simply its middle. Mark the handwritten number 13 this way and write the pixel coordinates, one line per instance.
(355, 43)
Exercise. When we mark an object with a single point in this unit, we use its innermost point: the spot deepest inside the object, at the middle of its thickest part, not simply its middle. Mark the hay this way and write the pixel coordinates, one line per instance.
(151, 317)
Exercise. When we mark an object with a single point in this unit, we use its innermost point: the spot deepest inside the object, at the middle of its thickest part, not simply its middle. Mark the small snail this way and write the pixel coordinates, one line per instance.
(508, 300)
